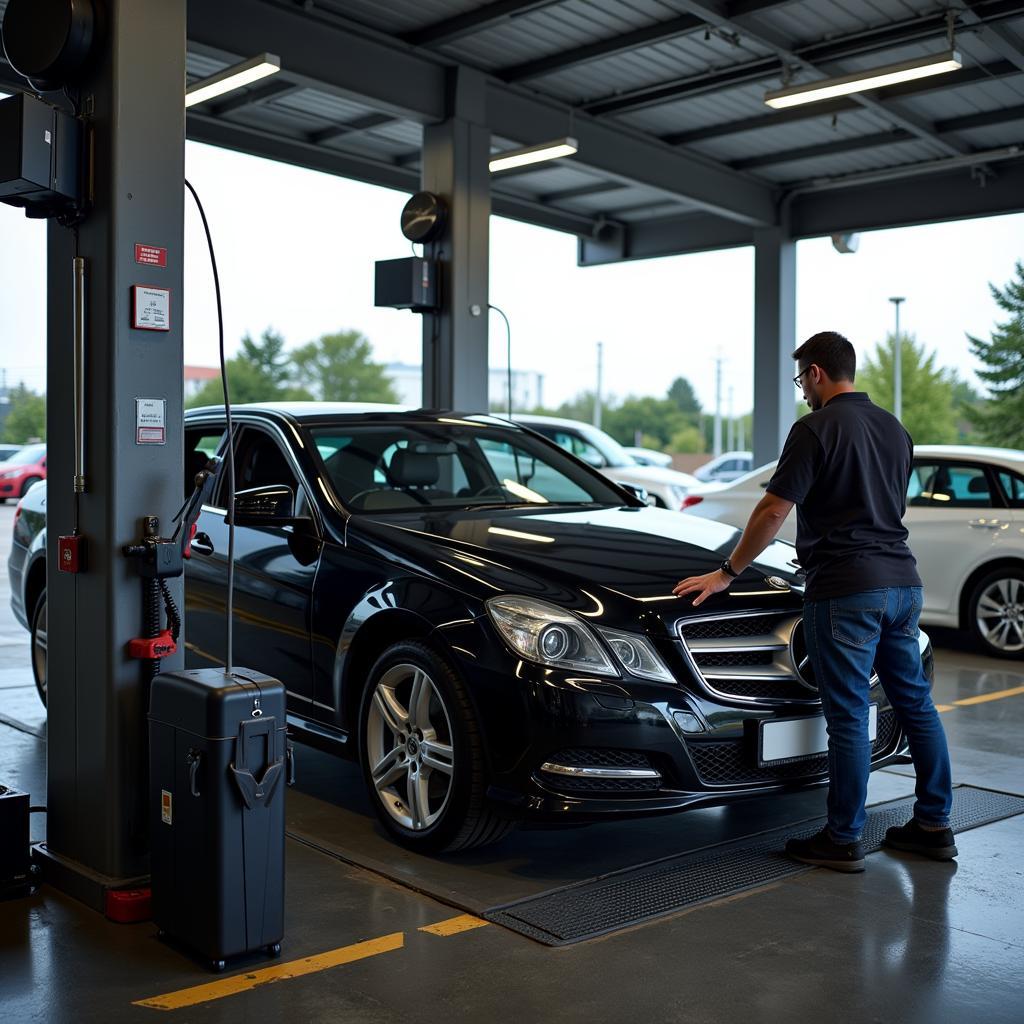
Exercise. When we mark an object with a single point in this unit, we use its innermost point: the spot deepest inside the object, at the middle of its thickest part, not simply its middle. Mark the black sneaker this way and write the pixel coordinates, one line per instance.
(825, 852)
(911, 837)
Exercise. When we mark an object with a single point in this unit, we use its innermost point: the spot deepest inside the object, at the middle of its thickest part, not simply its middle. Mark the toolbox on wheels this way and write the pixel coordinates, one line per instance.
(217, 767)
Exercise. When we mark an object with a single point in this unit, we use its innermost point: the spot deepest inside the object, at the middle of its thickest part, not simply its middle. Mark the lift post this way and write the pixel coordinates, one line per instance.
(133, 238)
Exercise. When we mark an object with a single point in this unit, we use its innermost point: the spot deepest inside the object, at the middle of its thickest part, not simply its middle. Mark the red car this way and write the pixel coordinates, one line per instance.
(21, 471)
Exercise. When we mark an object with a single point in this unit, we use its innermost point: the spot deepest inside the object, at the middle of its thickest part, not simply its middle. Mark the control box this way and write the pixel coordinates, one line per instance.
(409, 283)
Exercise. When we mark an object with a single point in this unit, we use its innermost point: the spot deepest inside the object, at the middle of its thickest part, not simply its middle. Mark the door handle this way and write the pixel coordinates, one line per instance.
(201, 542)
(984, 524)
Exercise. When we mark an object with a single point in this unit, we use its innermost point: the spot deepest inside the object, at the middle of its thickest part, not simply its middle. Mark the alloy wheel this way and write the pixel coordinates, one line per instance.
(1000, 614)
(409, 747)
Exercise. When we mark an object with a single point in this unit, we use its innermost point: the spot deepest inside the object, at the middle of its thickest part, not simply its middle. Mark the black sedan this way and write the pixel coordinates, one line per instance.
(487, 623)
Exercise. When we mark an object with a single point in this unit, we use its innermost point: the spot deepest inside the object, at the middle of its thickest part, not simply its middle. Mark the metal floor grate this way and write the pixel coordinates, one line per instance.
(626, 898)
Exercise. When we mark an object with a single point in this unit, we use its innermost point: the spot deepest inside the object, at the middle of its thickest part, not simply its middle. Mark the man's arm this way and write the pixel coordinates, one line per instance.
(764, 523)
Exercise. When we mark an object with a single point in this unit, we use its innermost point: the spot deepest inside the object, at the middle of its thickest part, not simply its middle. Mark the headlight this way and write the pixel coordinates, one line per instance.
(637, 655)
(549, 635)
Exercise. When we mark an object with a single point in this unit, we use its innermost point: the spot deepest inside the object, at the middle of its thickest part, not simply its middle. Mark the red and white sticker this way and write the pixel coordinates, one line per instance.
(166, 808)
(150, 421)
(150, 255)
(151, 308)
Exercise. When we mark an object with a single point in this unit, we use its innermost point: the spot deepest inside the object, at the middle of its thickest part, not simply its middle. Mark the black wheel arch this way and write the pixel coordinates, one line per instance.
(35, 583)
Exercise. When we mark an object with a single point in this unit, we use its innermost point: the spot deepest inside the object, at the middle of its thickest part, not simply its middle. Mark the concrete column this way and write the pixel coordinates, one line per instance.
(455, 155)
(97, 748)
(775, 397)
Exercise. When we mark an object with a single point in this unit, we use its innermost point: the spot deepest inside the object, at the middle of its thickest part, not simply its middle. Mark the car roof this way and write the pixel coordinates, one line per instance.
(317, 411)
(968, 451)
(554, 421)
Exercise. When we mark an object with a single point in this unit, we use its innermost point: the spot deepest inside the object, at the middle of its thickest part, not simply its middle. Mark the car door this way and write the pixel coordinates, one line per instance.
(275, 567)
(957, 520)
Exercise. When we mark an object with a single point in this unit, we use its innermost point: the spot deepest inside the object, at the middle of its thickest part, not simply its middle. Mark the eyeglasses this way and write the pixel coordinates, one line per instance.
(796, 379)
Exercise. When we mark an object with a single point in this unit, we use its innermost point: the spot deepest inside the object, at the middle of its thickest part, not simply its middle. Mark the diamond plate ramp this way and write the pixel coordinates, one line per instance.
(626, 898)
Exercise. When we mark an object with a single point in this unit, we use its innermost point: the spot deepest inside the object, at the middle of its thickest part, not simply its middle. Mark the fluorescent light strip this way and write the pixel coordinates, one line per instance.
(235, 77)
(533, 154)
(862, 81)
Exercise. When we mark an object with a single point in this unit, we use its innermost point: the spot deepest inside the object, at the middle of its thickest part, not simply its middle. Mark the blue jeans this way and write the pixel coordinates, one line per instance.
(845, 637)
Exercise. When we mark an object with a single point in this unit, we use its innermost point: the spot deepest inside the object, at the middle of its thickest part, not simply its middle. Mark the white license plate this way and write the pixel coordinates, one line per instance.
(801, 737)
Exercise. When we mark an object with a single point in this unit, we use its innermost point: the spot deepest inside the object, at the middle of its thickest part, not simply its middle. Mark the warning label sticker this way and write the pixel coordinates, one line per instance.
(166, 815)
(151, 308)
(150, 421)
(150, 255)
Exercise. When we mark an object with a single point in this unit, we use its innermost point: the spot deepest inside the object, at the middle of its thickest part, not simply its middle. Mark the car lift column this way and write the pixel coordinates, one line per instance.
(455, 156)
(774, 341)
(97, 827)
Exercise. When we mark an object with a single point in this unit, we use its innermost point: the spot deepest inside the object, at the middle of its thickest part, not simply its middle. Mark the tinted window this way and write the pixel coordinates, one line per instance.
(200, 444)
(577, 446)
(27, 456)
(947, 485)
(1013, 488)
(259, 462)
(395, 466)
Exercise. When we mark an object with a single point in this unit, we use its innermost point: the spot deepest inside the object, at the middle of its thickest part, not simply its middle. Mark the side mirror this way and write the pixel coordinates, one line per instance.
(640, 493)
(272, 505)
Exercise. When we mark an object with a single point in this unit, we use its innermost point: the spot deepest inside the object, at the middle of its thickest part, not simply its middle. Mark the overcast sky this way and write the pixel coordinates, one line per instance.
(296, 251)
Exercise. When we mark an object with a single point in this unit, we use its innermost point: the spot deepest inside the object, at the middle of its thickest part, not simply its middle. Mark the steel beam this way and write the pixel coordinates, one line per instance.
(360, 124)
(97, 804)
(272, 90)
(479, 19)
(834, 148)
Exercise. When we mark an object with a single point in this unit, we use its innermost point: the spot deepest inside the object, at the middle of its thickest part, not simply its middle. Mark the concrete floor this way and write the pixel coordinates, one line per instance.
(908, 940)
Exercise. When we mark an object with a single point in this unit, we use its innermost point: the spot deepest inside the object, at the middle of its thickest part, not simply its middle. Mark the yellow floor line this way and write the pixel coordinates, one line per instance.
(995, 695)
(269, 975)
(454, 925)
(944, 707)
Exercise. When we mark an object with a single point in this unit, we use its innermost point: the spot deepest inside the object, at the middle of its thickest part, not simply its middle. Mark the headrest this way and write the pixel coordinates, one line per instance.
(977, 485)
(414, 469)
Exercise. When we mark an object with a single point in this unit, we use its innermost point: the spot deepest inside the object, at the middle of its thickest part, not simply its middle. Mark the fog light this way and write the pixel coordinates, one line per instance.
(687, 722)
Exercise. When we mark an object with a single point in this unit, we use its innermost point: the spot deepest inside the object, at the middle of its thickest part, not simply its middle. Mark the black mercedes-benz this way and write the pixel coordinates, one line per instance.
(488, 624)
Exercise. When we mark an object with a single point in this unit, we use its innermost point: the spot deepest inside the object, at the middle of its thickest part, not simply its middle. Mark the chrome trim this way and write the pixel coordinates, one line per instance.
(600, 773)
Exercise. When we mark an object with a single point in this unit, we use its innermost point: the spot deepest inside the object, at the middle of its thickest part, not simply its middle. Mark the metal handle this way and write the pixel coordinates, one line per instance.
(79, 316)
(201, 542)
(984, 524)
(192, 760)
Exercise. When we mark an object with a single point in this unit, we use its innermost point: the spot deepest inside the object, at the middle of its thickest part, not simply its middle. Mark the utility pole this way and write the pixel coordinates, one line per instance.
(741, 441)
(897, 363)
(597, 394)
(731, 446)
(717, 446)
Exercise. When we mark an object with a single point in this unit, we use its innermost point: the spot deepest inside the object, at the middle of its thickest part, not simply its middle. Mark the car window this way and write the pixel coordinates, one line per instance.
(947, 485)
(398, 466)
(259, 462)
(1013, 488)
(28, 456)
(729, 466)
(576, 445)
(200, 444)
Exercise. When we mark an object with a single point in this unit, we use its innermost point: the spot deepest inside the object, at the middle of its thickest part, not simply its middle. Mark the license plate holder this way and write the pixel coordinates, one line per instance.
(785, 740)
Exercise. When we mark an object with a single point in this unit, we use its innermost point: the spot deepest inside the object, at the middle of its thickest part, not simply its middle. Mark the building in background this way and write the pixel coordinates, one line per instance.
(197, 376)
(527, 386)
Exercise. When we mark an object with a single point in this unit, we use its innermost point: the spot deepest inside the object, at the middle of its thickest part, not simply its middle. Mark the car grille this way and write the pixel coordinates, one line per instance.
(751, 657)
(600, 757)
(728, 762)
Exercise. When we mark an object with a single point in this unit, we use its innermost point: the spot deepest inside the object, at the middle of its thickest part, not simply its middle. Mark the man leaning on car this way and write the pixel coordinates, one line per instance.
(846, 466)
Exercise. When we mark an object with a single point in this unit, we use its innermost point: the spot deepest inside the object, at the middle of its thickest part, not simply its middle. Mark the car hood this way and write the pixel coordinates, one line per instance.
(617, 565)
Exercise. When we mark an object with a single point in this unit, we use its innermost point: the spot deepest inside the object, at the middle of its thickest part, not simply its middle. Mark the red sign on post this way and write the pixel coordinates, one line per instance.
(150, 255)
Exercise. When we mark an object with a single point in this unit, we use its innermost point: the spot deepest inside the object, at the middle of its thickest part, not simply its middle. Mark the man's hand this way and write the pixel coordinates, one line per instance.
(711, 583)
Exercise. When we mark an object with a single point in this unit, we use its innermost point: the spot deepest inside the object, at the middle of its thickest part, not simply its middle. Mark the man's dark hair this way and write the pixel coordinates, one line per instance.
(832, 352)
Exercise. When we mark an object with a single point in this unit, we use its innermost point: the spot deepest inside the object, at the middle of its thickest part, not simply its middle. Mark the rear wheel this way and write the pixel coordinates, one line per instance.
(996, 613)
(37, 633)
(422, 755)
(28, 483)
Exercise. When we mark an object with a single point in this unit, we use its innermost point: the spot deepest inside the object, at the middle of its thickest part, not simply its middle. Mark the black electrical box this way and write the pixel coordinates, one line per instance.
(218, 761)
(40, 156)
(15, 856)
(409, 283)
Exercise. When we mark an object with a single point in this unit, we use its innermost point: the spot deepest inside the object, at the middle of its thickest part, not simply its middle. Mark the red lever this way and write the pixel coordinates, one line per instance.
(159, 646)
(187, 553)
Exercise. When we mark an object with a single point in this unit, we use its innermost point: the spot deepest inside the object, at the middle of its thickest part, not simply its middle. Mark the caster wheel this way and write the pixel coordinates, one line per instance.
(274, 949)
(217, 966)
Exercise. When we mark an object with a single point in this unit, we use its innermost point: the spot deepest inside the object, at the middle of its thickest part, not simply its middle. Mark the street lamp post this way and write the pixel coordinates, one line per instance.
(897, 365)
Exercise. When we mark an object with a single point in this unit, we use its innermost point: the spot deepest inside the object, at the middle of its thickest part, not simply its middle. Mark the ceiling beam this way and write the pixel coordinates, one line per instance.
(834, 148)
(827, 108)
(448, 30)
(274, 89)
(581, 191)
(1003, 40)
(985, 119)
(360, 124)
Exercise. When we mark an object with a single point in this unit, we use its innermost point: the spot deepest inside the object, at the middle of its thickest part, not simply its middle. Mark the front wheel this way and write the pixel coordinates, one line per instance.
(37, 642)
(422, 754)
(996, 613)
(29, 482)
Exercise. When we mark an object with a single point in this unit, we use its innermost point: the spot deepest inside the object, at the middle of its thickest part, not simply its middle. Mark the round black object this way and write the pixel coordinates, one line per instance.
(49, 41)
(423, 217)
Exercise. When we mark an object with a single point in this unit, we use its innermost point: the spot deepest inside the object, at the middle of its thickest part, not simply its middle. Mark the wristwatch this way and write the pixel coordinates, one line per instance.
(727, 568)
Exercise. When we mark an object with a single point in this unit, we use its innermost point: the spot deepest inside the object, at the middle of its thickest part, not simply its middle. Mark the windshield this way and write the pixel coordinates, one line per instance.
(388, 467)
(27, 455)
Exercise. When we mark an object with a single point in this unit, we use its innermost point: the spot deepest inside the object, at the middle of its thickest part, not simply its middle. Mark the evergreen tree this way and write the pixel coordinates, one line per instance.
(1000, 420)
(682, 395)
(339, 368)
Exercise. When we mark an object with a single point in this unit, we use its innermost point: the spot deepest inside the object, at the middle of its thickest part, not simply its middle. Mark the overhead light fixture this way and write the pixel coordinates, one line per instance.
(534, 154)
(861, 81)
(235, 77)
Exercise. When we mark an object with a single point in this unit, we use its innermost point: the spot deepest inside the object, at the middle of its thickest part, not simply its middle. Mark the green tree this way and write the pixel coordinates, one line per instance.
(688, 439)
(928, 412)
(26, 420)
(339, 368)
(248, 383)
(1000, 420)
(682, 395)
(656, 417)
(268, 357)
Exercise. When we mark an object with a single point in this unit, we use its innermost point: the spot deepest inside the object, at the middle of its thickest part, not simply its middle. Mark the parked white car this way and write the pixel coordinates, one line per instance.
(726, 467)
(648, 456)
(965, 514)
(665, 487)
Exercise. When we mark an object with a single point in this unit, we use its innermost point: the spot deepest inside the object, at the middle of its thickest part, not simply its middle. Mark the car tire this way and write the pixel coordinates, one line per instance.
(27, 484)
(37, 645)
(422, 754)
(995, 613)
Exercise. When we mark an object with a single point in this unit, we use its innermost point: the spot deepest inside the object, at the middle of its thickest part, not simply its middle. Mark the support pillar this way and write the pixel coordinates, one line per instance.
(455, 156)
(97, 825)
(774, 341)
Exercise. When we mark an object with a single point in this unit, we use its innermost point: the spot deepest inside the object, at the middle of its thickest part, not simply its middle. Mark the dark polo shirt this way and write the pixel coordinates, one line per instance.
(846, 468)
